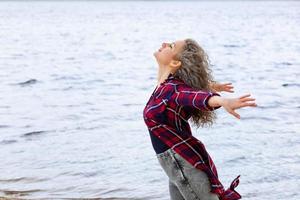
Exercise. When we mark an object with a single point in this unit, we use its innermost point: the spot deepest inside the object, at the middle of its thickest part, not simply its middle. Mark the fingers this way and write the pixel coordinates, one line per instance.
(228, 87)
(235, 114)
(242, 105)
(249, 104)
(247, 95)
(247, 99)
(228, 90)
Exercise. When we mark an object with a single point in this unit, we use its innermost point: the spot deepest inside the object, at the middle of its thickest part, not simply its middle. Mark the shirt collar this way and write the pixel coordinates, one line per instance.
(173, 76)
(170, 76)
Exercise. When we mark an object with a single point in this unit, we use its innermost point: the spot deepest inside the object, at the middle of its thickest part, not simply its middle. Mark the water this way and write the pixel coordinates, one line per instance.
(75, 76)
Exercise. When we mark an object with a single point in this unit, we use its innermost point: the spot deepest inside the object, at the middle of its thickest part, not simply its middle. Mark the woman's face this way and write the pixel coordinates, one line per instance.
(166, 53)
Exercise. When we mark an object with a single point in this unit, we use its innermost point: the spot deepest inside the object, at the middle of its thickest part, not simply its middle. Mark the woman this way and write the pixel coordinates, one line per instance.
(186, 90)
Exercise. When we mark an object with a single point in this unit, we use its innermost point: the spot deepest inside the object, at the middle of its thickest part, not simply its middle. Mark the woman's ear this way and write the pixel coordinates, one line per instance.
(175, 63)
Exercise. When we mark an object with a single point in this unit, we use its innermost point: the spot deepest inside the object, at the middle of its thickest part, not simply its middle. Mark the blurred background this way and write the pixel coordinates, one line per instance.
(76, 75)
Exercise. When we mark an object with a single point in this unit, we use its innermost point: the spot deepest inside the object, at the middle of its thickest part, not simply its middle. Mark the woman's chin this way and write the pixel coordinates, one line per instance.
(155, 55)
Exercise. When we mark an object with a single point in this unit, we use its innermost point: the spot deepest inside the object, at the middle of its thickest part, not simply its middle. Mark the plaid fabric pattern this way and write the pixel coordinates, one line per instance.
(166, 115)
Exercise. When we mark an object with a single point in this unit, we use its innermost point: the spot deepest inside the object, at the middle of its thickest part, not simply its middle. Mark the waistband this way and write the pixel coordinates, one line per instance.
(165, 153)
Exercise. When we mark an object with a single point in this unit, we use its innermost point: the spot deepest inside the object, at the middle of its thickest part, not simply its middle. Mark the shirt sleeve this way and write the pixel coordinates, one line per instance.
(194, 98)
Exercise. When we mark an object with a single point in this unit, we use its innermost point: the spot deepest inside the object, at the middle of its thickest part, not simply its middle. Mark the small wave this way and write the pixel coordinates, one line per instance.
(71, 77)
(22, 179)
(285, 63)
(28, 82)
(8, 141)
(17, 55)
(70, 58)
(232, 46)
(291, 85)
(33, 133)
(4, 126)
(259, 118)
(131, 104)
(85, 174)
(19, 192)
(237, 159)
(114, 190)
(95, 81)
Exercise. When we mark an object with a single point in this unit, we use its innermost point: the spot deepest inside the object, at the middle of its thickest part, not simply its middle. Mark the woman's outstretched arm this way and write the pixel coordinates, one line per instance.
(230, 104)
(193, 98)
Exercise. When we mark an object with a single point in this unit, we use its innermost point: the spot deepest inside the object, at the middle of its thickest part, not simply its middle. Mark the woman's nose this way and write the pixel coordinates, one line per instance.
(164, 44)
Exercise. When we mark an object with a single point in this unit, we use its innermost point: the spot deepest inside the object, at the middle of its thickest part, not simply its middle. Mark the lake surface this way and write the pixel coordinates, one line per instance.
(75, 77)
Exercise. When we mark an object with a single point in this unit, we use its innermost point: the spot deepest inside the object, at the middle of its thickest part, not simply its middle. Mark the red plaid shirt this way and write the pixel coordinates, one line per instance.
(166, 115)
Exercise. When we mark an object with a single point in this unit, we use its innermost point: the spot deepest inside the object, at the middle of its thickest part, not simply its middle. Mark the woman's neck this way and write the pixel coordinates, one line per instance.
(163, 75)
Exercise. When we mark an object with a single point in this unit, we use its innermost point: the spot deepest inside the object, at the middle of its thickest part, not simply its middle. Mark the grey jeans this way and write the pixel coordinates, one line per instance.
(185, 181)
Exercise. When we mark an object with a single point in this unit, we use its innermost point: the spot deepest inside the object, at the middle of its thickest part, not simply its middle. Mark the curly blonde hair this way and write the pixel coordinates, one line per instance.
(195, 71)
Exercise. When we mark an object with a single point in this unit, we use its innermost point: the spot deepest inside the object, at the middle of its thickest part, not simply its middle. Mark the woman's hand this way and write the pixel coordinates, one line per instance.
(220, 87)
(230, 104)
